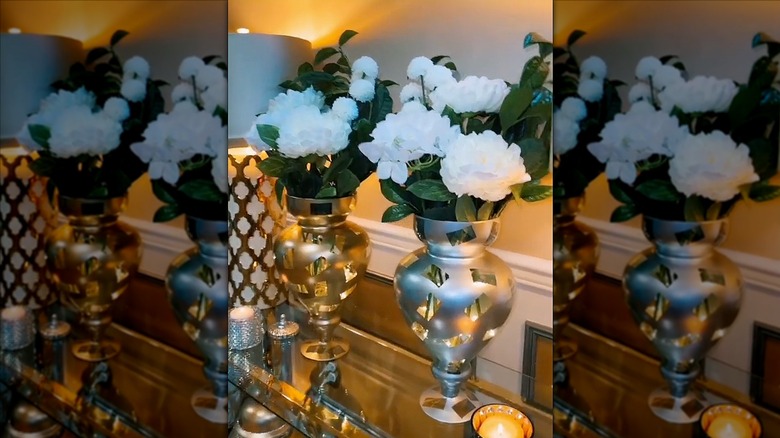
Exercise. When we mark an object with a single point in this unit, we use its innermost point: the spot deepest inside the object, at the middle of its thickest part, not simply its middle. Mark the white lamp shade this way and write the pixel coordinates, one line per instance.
(30, 63)
(257, 64)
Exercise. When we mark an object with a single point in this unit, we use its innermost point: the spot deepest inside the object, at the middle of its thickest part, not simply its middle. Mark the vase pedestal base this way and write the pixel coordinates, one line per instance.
(456, 409)
(679, 410)
(95, 351)
(324, 351)
(209, 406)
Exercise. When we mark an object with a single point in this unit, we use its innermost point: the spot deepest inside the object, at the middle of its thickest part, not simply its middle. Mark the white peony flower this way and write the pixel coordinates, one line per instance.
(635, 136)
(565, 132)
(365, 68)
(647, 67)
(418, 67)
(472, 94)
(116, 108)
(362, 90)
(593, 68)
(411, 91)
(406, 136)
(591, 90)
(438, 76)
(307, 131)
(666, 76)
(700, 94)
(51, 108)
(345, 108)
(80, 131)
(484, 166)
(712, 166)
(290, 99)
(209, 76)
(182, 91)
(133, 90)
(219, 170)
(189, 67)
(574, 108)
(136, 68)
(640, 91)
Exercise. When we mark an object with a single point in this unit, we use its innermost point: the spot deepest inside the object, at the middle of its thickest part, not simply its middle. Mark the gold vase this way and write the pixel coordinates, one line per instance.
(575, 253)
(321, 259)
(91, 260)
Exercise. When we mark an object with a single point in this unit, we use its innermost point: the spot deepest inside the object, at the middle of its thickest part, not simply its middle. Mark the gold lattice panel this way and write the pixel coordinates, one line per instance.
(27, 216)
(255, 217)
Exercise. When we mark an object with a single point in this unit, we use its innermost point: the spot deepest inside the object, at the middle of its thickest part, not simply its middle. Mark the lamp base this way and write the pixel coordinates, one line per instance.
(678, 410)
(209, 406)
(324, 351)
(457, 409)
(95, 351)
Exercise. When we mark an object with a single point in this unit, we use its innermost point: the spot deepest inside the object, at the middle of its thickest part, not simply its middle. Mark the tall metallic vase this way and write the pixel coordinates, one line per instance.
(575, 253)
(91, 260)
(320, 259)
(684, 295)
(197, 289)
(455, 295)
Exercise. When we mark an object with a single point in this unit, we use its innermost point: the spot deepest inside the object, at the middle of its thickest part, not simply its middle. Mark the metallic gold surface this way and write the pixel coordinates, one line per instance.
(320, 260)
(91, 260)
(575, 254)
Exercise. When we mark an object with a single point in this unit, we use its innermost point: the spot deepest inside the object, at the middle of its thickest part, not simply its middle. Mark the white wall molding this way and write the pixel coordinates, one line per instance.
(162, 243)
(620, 242)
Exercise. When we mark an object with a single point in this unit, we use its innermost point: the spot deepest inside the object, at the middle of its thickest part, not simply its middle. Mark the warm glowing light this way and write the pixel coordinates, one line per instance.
(14, 30)
(242, 30)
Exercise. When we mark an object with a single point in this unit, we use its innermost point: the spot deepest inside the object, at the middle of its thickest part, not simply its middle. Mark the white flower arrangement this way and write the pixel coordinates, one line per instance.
(186, 149)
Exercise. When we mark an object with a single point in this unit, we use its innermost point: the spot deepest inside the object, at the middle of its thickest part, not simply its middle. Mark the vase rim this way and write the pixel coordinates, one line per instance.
(672, 221)
(495, 219)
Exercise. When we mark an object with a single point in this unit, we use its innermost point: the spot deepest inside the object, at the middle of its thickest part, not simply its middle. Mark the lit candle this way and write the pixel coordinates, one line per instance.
(13, 313)
(727, 425)
(500, 426)
(242, 313)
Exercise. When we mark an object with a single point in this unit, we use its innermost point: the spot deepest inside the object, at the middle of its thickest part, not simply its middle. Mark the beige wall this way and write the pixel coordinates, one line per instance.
(163, 32)
(484, 38)
(712, 38)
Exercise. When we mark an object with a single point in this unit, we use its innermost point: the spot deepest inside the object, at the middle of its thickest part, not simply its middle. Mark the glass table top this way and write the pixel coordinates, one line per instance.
(373, 391)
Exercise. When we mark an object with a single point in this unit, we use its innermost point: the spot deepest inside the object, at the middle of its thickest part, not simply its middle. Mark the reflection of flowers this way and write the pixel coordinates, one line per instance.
(484, 166)
(700, 94)
(712, 166)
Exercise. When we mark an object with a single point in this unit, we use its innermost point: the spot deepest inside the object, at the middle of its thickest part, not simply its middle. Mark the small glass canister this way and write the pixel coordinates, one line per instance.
(17, 328)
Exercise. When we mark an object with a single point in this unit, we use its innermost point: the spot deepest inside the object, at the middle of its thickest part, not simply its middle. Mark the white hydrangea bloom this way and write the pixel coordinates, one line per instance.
(406, 136)
(136, 68)
(182, 91)
(593, 68)
(647, 67)
(700, 94)
(640, 91)
(666, 76)
(483, 166)
(362, 90)
(219, 169)
(133, 90)
(209, 76)
(574, 108)
(591, 90)
(635, 136)
(472, 94)
(565, 132)
(411, 91)
(711, 165)
(418, 67)
(116, 108)
(345, 108)
(438, 76)
(308, 131)
(80, 131)
(215, 96)
(189, 67)
(365, 68)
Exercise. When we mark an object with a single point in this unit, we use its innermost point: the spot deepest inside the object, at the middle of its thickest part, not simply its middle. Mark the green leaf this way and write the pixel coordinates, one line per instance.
(117, 36)
(202, 190)
(514, 105)
(438, 58)
(573, 37)
(95, 54)
(713, 212)
(534, 192)
(167, 213)
(694, 209)
(268, 134)
(534, 73)
(44, 165)
(326, 192)
(763, 193)
(431, 190)
(659, 190)
(346, 36)
(451, 65)
(336, 166)
(465, 210)
(517, 192)
(617, 192)
(743, 104)
(40, 134)
(274, 165)
(347, 183)
(455, 118)
(397, 212)
(485, 211)
(279, 191)
(323, 54)
(160, 190)
(623, 213)
(305, 68)
(392, 191)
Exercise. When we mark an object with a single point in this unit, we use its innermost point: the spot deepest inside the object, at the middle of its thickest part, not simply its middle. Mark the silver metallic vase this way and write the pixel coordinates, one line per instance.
(455, 295)
(575, 253)
(684, 295)
(320, 259)
(91, 260)
(197, 290)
